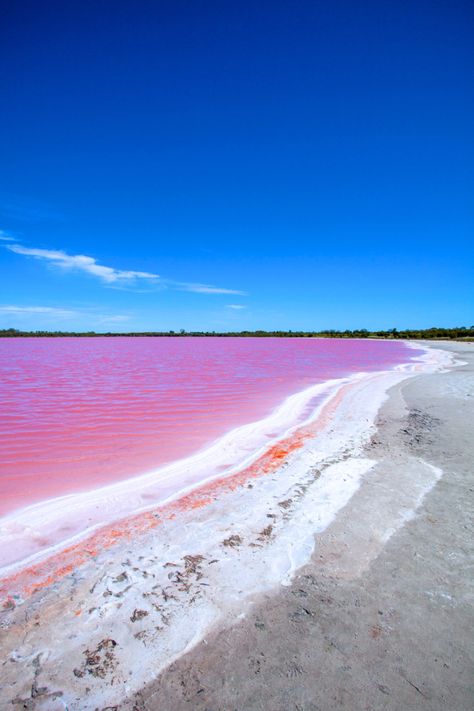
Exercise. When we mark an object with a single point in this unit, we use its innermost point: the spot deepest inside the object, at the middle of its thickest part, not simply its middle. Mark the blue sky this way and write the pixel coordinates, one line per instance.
(213, 165)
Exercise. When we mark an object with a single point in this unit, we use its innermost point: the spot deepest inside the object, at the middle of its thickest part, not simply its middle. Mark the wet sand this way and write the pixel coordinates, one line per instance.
(380, 617)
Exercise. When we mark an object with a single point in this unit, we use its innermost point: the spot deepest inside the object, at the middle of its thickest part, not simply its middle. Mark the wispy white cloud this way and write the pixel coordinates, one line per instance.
(35, 310)
(47, 315)
(236, 307)
(208, 289)
(116, 278)
(81, 262)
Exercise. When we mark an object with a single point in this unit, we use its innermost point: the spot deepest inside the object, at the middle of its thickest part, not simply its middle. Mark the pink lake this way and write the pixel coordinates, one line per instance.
(77, 413)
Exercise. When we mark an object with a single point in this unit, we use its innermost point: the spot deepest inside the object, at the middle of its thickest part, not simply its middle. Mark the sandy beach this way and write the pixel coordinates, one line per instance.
(346, 584)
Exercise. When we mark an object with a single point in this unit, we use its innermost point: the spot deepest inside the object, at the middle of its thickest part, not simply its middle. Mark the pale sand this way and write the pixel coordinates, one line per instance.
(361, 625)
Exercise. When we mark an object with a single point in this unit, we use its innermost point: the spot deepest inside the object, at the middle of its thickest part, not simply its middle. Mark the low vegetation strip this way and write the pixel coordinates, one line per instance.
(434, 333)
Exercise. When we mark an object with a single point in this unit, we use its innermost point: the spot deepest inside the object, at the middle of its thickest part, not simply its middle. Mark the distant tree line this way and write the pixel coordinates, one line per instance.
(460, 332)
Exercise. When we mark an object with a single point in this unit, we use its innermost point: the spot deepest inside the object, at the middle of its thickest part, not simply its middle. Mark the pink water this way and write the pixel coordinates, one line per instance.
(77, 413)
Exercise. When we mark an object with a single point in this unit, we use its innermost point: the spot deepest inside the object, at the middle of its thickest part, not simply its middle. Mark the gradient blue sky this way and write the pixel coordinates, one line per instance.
(297, 165)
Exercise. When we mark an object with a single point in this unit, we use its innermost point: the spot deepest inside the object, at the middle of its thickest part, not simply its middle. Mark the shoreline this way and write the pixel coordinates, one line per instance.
(42, 512)
(59, 520)
(208, 584)
(381, 617)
